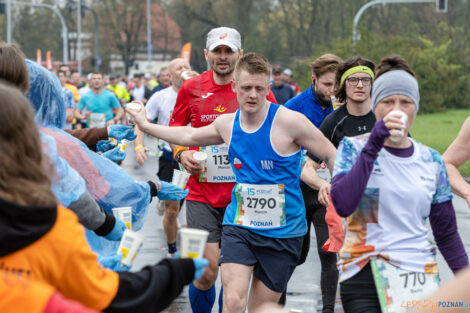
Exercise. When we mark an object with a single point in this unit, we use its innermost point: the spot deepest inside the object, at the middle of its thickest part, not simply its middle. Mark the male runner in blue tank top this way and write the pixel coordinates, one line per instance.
(265, 222)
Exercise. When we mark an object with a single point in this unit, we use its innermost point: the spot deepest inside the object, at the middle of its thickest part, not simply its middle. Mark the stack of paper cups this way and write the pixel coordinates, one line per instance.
(201, 157)
(124, 214)
(180, 178)
(192, 242)
(129, 246)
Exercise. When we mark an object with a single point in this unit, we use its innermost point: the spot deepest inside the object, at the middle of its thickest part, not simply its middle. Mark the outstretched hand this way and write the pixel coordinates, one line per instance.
(114, 155)
(113, 262)
(200, 265)
(169, 191)
(121, 132)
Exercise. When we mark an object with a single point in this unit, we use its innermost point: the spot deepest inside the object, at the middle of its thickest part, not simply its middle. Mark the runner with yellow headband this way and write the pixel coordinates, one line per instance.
(357, 69)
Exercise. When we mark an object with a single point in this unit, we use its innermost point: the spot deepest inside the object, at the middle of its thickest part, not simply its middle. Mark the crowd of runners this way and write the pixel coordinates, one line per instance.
(338, 155)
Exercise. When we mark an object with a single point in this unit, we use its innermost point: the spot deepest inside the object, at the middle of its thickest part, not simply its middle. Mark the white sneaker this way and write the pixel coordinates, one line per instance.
(160, 208)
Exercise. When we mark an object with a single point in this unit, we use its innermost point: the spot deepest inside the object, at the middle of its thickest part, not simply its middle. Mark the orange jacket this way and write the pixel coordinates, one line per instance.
(63, 259)
(21, 295)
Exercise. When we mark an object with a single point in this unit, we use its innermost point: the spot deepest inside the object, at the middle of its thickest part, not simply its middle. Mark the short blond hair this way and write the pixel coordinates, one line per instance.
(253, 63)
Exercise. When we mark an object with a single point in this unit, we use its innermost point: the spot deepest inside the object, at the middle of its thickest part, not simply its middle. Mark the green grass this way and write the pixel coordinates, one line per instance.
(438, 130)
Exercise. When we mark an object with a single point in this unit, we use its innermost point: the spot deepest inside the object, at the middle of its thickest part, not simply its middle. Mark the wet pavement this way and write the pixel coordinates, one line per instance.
(303, 289)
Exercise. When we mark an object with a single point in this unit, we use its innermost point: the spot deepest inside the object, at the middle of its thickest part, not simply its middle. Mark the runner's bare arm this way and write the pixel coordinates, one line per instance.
(182, 135)
(456, 154)
(310, 176)
(140, 150)
(119, 114)
(311, 138)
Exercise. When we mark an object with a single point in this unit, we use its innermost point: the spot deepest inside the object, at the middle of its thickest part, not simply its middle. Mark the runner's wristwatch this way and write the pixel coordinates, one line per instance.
(178, 156)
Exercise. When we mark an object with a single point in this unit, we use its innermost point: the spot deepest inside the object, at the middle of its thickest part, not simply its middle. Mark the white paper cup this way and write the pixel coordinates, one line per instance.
(129, 246)
(201, 157)
(192, 242)
(397, 134)
(180, 178)
(124, 214)
(133, 106)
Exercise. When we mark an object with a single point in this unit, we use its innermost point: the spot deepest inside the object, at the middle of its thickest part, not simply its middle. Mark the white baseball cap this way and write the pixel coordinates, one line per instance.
(287, 71)
(224, 36)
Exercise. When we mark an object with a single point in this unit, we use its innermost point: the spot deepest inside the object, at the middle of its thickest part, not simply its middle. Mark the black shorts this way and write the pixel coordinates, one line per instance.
(274, 259)
(201, 215)
(165, 168)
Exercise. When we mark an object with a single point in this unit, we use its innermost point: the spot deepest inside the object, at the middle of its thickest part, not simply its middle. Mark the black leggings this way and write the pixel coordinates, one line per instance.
(358, 293)
(315, 213)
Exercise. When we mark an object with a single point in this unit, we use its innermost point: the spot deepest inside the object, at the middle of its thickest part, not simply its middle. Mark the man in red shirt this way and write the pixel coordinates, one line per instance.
(200, 101)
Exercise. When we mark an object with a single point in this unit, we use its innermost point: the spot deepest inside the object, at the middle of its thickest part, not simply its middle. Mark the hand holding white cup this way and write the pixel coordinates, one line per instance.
(129, 246)
(192, 242)
(396, 133)
(136, 112)
(202, 158)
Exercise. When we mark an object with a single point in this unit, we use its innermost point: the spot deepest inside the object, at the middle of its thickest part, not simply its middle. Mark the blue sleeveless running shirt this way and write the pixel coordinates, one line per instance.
(266, 198)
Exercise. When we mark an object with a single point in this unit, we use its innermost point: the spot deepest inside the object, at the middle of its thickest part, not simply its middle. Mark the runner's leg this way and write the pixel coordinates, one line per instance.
(170, 224)
(358, 293)
(260, 294)
(329, 271)
(235, 281)
(202, 216)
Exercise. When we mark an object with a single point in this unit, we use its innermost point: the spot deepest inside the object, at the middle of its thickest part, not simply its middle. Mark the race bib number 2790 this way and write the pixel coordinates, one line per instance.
(260, 206)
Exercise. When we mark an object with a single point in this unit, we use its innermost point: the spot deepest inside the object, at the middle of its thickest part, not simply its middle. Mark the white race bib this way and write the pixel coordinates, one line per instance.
(97, 120)
(260, 206)
(324, 172)
(217, 168)
(396, 286)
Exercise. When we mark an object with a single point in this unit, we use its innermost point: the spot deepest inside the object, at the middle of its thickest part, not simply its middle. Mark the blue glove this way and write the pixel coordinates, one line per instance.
(200, 265)
(113, 262)
(114, 155)
(121, 132)
(171, 192)
(104, 145)
(117, 232)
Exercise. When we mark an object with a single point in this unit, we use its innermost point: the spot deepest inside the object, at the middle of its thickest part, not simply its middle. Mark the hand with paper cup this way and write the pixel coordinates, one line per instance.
(171, 192)
(200, 265)
(138, 115)
(121, 132)
(104, 145)
(129, 246)
(115, 155)
(113, 262)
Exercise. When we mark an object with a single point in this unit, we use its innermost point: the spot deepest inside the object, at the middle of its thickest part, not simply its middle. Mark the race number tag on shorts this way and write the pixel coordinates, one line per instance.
(97, 120)
(260, 206)
(396, 286)
(217, 167)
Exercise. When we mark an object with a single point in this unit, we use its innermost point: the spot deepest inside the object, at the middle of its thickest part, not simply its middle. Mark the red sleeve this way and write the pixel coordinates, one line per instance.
(182, 112)
(271, 97)
(58, 304)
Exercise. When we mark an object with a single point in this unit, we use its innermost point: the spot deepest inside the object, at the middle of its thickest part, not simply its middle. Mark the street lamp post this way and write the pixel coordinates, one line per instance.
(8, 12)
(149, 36)
(79, 36)
(355, 34)
(65, 31)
